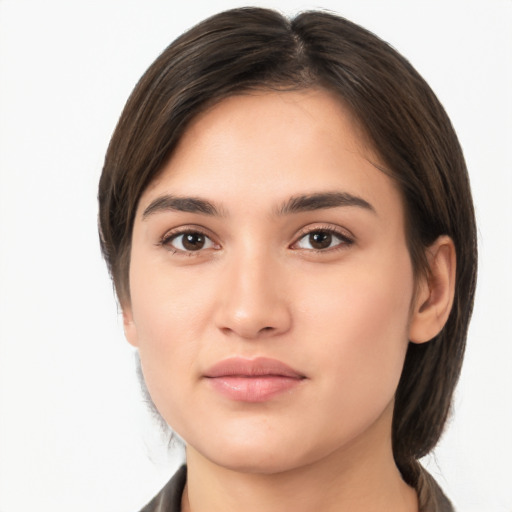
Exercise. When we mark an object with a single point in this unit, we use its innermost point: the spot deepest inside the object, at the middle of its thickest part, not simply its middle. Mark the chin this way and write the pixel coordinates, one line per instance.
(261, 463)
(246, 455)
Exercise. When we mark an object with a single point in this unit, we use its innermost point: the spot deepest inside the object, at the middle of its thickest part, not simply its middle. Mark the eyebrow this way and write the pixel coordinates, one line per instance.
(296, 204)
(180, 204)
(322, 200)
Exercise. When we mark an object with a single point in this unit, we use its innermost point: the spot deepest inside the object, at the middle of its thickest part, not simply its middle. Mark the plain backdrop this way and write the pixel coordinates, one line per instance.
(75, 433)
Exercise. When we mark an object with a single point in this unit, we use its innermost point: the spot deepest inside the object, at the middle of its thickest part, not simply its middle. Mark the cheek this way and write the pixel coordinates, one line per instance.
(360, 321)
(167, 306)
(168, 315)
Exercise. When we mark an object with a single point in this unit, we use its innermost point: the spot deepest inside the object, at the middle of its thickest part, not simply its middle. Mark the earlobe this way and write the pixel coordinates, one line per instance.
(435, 292)
(130, 331)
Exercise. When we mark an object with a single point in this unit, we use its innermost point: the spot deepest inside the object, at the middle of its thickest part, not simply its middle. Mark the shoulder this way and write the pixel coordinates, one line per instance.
(169, 498)
(430, 496)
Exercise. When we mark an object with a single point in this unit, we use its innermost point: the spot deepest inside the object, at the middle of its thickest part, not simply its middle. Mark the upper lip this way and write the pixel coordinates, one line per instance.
(258, 367)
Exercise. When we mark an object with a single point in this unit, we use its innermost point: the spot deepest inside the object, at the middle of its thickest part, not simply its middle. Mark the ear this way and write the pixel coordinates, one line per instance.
(435, 291)
(130, 330)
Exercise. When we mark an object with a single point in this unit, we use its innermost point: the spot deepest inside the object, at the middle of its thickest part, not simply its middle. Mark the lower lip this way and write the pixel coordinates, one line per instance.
(253, 389)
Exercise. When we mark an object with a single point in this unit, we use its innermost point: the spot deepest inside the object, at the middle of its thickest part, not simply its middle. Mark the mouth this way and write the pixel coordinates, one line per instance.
(252, 380)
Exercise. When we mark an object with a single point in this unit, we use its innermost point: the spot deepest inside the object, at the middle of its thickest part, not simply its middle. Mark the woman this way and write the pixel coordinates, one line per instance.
(286, 215)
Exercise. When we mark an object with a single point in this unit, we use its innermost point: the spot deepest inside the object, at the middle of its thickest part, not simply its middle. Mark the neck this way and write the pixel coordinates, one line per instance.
(360, 477)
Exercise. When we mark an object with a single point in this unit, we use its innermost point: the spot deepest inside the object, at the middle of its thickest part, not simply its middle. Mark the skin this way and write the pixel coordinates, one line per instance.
(341, 315)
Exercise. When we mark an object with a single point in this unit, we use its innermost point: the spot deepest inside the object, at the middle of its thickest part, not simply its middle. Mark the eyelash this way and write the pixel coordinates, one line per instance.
(171, 236)
(344, 239)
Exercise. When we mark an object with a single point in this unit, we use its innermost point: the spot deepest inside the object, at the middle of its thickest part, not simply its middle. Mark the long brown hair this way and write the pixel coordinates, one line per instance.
(253, 48)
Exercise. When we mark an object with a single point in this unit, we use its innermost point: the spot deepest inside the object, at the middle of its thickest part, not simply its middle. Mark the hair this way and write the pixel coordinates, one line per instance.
(253, 49)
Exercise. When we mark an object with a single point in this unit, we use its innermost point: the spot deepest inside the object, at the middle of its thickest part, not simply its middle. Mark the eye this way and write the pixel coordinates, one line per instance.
(322, 239)
(188, 241)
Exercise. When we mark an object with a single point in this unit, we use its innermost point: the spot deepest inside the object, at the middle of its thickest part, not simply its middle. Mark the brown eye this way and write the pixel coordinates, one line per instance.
(322, 239)
(191, 241)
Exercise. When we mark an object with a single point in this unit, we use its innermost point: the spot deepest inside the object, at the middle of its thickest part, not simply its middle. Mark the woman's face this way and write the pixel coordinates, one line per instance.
(271, 285)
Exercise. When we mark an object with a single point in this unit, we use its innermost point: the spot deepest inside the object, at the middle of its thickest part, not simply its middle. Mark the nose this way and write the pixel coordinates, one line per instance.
(253, 302)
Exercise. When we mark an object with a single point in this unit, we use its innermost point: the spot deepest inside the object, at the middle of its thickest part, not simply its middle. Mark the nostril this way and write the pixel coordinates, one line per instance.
(249, 318)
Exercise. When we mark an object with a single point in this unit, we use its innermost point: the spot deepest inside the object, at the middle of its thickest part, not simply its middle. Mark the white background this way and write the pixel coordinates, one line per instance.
(74, 431)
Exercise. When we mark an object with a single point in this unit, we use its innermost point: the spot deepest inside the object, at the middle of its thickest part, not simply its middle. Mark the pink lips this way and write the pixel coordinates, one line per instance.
(252, 380)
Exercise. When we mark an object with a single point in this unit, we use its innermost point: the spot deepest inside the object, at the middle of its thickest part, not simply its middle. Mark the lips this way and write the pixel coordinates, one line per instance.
(252, 380)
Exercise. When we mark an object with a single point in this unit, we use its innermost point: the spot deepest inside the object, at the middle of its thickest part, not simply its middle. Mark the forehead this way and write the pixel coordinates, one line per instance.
(266, 146)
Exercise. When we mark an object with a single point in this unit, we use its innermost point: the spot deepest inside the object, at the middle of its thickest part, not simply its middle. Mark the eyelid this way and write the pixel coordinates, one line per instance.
(346, 237)
(173, 233)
